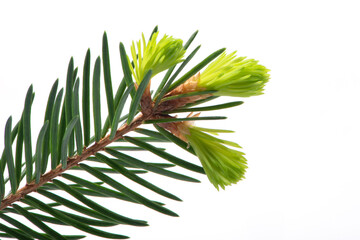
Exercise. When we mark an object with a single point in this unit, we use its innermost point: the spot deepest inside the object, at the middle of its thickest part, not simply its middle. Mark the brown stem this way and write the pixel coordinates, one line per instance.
(147, 113)
(71, 162)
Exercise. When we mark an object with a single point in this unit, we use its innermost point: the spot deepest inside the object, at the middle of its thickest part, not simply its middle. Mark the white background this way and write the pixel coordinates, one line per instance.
(301, 138)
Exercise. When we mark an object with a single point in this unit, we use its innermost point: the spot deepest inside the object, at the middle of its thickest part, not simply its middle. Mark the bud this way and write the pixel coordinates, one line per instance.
(228, 75)
(234, 76)
(223, 165)
(157, 56)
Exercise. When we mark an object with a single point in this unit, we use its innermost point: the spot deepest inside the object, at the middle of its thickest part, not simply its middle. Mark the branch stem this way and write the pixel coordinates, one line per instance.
(147, 113)
(72, 161)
